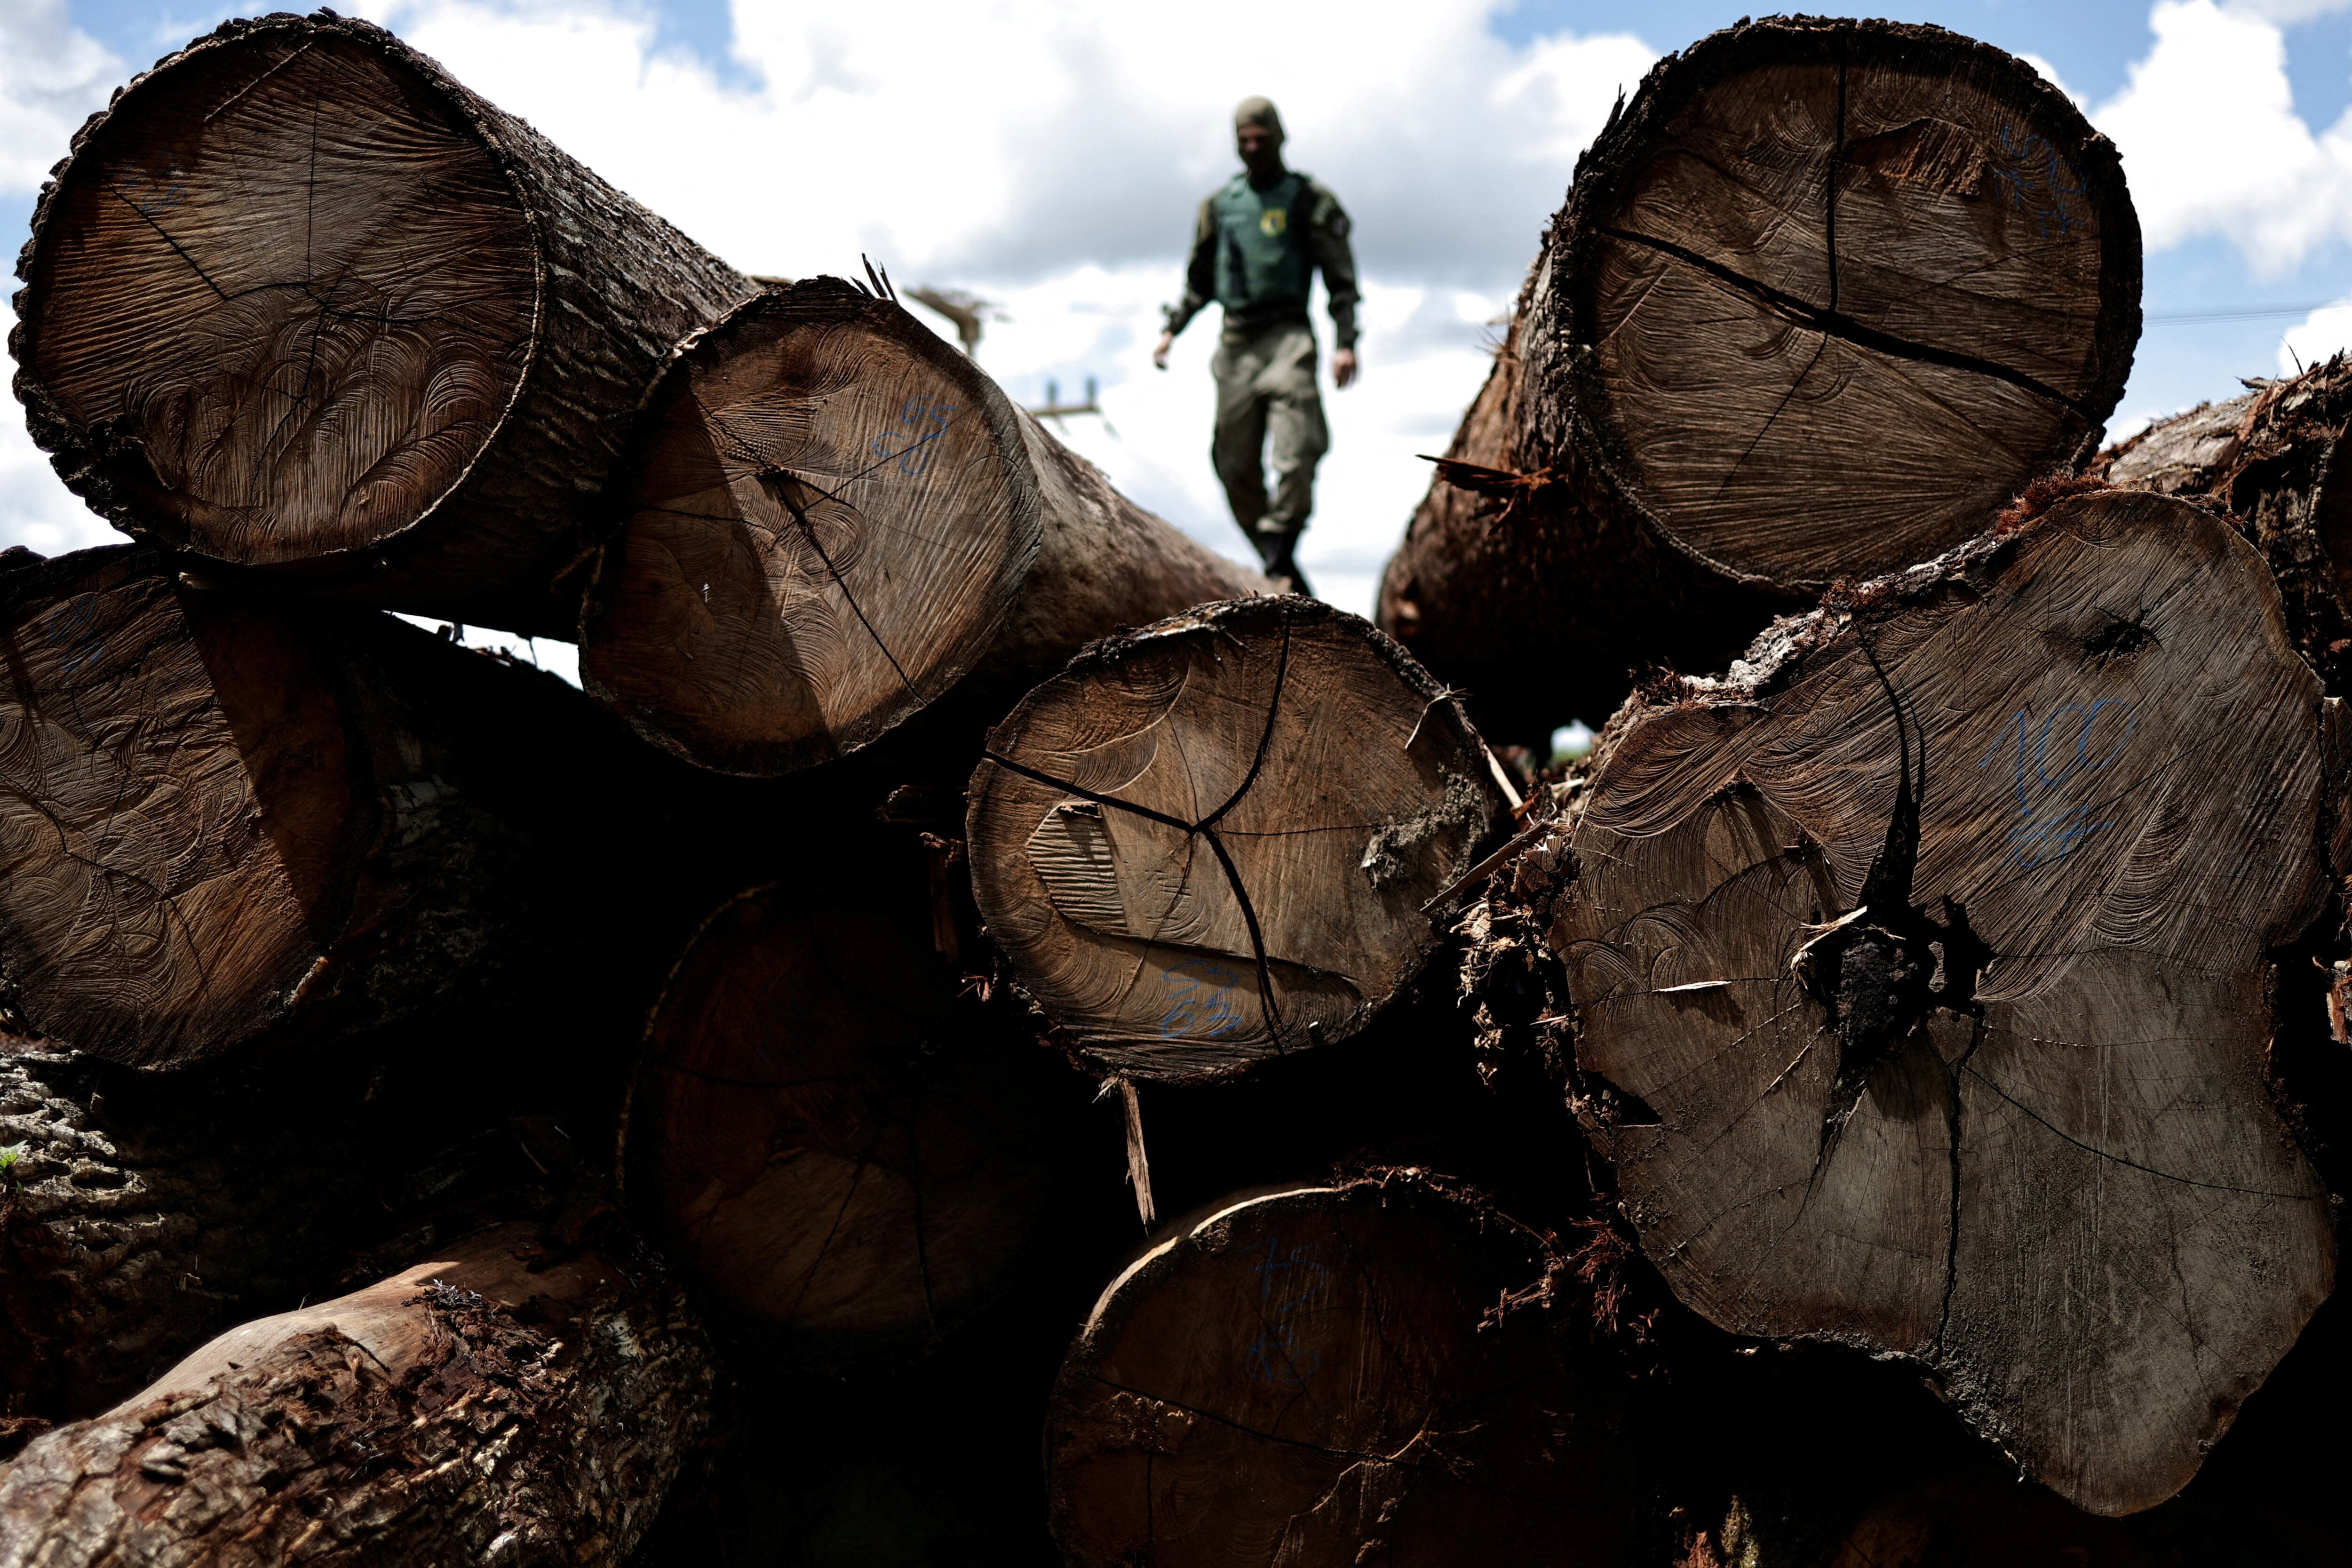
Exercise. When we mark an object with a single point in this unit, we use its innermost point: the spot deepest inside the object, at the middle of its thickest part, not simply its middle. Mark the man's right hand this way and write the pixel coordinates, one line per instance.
(1160, 350)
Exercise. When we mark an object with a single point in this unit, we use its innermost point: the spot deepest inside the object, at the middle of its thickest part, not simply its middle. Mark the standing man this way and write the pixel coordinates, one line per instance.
(1254, 251)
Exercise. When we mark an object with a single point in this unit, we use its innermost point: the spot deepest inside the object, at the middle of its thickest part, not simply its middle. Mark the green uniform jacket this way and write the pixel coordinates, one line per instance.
(1254, 252)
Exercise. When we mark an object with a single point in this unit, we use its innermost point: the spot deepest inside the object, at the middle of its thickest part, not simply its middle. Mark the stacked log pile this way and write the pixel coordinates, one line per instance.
(1885, 1108)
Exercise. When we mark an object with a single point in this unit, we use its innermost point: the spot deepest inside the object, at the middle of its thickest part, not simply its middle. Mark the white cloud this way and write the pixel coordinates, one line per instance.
(2325, 331)
(2049, 73)
(37, 511)
(2213, 146)
(52, 75)
(2289, 12)
(560, 659)
(1029, 135)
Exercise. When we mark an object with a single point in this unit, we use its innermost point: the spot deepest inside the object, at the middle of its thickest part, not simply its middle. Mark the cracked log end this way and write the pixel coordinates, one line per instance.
(827, 1137)
(1826, 294)
(1208, 842)
(833, 519)
(1925, 957)
(239, 821)
(492, 1406)
(280, 299)
(829, 514)
(186, 809)
(1302, 1377)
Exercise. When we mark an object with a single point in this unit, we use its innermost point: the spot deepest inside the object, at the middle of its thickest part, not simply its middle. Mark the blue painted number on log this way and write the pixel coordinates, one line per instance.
(2076, 740)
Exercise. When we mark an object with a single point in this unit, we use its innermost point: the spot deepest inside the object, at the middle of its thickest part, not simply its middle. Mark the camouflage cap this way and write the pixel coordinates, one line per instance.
(1258, 111)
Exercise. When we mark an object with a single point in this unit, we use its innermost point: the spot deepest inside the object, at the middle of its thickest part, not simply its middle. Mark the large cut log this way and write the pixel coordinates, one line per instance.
(1823, 296)
(834, 520)
(1828, 293)
(851, 1157)
(1323, 1375)
(498, 1404)
(234, 820)
(299, 300)
(1210, 842)
(1920, 970)
(2268, 459)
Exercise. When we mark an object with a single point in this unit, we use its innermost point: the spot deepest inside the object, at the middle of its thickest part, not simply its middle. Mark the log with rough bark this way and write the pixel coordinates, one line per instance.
(498, 1404)
(834, 520)
(1210, 842)
(1921, 972)
(848, 1155)
(234, 820)
(138, 1215)
(1825, 295)
(2268, 458)
(1323, 1375)
(299, 300)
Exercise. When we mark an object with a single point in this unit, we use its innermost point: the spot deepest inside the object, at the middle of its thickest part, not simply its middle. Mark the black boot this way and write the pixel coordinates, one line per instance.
(1277, 549)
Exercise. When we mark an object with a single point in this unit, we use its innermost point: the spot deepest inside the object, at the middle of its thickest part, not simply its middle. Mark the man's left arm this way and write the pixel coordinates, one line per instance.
(1328, 249)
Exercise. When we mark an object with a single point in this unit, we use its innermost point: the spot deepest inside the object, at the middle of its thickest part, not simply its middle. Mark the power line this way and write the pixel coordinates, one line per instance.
(2233, 313)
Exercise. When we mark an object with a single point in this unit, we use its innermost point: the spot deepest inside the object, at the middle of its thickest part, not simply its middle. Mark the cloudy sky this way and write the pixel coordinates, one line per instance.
(1049, 153)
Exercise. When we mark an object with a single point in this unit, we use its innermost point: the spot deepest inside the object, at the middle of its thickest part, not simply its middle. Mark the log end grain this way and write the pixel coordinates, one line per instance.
(281, 298)
(1828, 293)
(830, 513)
(1526, 600)
(839, 1148)
(1210, 842)
(1308, 1376)
(186, 808)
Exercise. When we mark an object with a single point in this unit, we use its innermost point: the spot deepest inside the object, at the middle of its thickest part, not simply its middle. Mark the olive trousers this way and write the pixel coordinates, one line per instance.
(1267, 397)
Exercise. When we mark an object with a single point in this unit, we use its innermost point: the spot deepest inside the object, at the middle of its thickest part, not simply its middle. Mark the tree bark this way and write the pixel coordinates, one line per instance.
(1825, 295)
(849, 1155)
(498, 1405)
(240, 821)
(1921, 985)
(1210, 842)
(834, 521)
(299, 301)
(1315, 1375)
(2268, 459)
(138, 1215)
